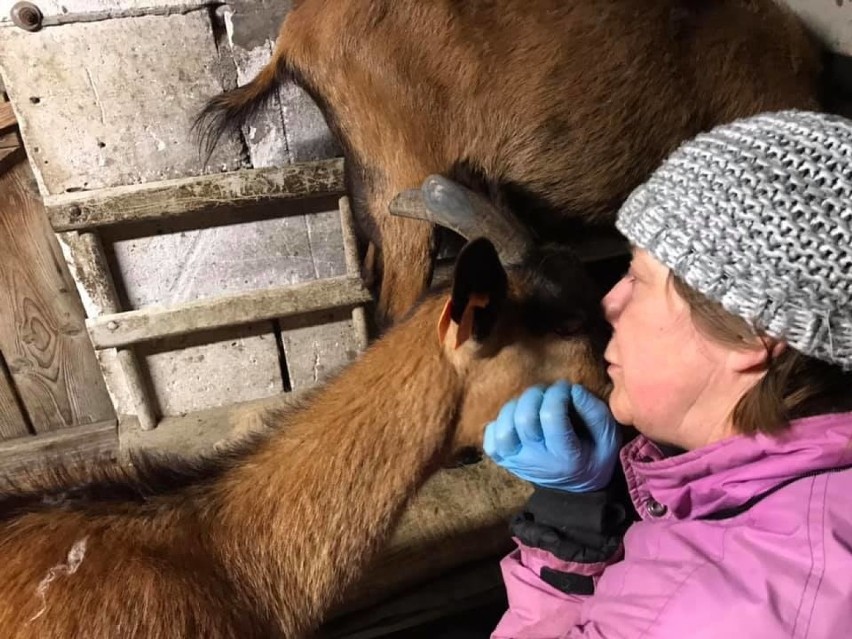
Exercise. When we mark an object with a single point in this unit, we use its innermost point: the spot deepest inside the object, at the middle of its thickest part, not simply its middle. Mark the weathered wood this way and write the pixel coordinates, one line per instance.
(157, 265)
(27, 455)
(64, 12)
(185, 196)
(203, 432)
(10, 139)
(136, 387)
(122, 372)
(7, 116)
(353, 268)
(12, 421)
(133, 327)
(42, 331)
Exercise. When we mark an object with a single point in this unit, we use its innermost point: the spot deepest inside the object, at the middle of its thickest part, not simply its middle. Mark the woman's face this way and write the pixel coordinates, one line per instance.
(670, 381)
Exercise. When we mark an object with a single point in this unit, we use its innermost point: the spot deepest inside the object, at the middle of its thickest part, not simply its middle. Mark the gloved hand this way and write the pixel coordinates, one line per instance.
(534, 438)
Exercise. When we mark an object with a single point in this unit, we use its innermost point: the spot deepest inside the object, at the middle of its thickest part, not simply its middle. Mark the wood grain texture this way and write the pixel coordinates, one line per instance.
(133, 327)
(12, 421)
(185, 196)
(28, 455)
(7, 116)
(42, 330)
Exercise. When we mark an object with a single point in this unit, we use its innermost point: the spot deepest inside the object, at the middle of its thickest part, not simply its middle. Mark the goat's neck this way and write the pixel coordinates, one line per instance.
(306, 512)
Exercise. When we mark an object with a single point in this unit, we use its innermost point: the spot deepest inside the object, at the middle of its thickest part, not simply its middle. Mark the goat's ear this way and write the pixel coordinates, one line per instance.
(480, 286)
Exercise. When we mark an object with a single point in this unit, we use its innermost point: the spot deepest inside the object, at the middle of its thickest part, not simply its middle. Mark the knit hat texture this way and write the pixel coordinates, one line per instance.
(757, 215)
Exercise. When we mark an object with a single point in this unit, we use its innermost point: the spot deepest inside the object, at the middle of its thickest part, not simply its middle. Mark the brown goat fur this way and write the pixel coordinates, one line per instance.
(262, 542)
(566, 106)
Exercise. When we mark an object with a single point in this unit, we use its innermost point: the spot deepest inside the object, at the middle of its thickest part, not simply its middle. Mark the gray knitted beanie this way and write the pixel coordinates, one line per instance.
(757, 215)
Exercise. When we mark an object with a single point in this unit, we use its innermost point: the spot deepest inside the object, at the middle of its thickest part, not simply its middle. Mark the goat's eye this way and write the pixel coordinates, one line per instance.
(568, 329)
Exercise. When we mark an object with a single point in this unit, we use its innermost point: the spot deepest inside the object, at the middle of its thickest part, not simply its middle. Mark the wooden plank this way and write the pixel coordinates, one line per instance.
(7, 116)
(28, 455)
(203, 432)
(42, 330)
(64, 12)
(185, 196)
(133, 327)
(13, 423)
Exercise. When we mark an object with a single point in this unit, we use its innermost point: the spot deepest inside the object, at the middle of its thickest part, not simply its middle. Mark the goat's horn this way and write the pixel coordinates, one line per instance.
(449, 204)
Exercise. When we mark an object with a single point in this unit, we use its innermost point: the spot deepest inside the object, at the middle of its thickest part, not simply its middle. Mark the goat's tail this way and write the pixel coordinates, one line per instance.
(230, 110)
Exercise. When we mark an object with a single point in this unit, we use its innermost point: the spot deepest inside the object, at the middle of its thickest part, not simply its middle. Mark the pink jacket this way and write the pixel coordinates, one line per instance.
(750, 537)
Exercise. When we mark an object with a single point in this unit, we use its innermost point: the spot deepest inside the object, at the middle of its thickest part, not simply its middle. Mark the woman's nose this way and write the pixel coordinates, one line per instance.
(613, 301)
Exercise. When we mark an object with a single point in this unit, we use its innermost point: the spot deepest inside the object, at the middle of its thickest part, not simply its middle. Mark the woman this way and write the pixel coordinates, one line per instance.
(731, 355)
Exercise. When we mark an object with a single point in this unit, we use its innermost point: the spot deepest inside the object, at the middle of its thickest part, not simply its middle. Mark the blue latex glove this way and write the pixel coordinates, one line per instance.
(534, 439)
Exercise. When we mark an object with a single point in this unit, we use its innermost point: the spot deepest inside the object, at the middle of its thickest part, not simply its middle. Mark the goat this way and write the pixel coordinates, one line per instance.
(564, 106)
(262, 541)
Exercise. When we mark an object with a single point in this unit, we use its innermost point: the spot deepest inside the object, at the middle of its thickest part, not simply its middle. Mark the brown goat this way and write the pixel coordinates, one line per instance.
(262, 543)
(564, 106)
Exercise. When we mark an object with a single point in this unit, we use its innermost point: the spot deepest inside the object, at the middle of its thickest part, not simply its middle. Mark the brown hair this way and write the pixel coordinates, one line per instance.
(795, 385)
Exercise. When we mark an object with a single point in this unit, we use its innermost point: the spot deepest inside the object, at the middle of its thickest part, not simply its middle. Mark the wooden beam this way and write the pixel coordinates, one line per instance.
(7, 116)
(13, 423)
(201, 433)
(28, 455)
(186, 196)
(132, 327)
(42, 322)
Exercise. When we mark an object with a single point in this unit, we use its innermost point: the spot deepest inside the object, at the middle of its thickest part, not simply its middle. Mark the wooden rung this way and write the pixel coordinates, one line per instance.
(132, 327)
(353, 268)
(7, 116)
(185, 196)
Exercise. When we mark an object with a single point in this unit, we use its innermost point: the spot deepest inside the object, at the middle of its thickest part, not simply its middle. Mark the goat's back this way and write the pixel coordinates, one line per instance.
(573, 103)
